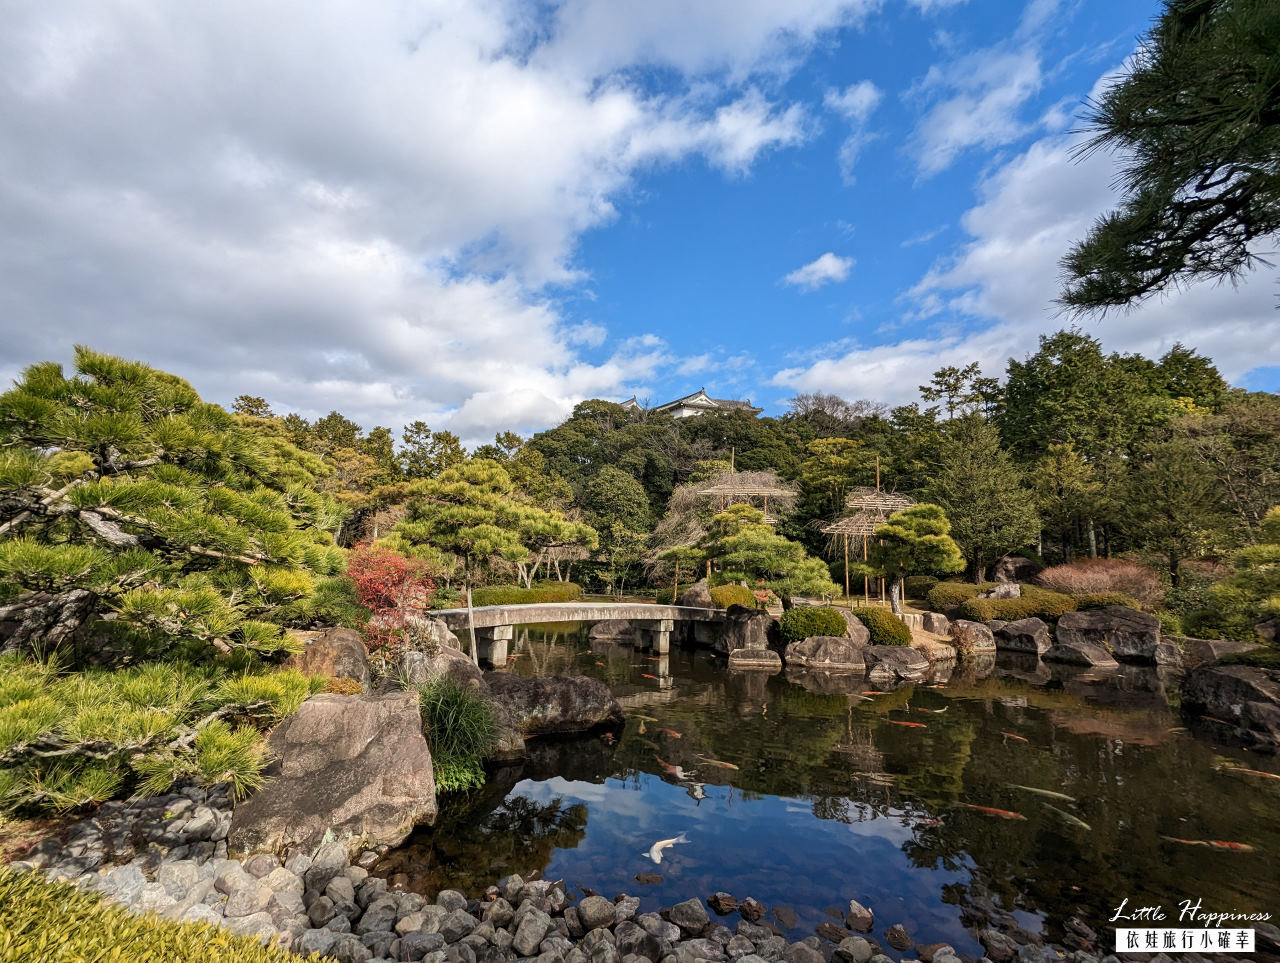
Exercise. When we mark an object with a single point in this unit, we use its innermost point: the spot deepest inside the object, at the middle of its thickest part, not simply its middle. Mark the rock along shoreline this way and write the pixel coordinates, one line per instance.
(167, 855)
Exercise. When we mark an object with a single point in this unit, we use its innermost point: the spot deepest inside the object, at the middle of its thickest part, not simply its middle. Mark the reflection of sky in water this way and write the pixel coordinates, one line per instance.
(768, 847)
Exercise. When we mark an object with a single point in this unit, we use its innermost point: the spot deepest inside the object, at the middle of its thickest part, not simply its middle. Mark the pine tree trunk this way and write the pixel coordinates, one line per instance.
(1093, 540)
(471, 624)
(895, 595)
(46, 623)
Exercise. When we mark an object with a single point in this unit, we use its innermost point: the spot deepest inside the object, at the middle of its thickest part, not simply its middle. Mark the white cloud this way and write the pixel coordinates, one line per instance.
(855, 104)
(994, 295)
(830, 268)
(356, 205)
(929, 6)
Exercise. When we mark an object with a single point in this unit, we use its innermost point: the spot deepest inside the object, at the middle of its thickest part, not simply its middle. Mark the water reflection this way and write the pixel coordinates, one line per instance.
(809, 788)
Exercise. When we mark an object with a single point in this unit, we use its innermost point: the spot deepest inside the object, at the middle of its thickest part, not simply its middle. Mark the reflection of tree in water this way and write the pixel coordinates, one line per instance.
(516, 837)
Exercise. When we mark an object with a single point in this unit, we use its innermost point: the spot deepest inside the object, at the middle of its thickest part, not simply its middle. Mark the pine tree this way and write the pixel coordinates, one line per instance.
(914, 540)
(750, 551)
(981, 491)
(1196, 121)
(122, 494)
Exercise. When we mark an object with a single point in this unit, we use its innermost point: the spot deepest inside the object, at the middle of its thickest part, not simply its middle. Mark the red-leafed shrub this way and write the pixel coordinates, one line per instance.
(1104, 576)
(393, 587)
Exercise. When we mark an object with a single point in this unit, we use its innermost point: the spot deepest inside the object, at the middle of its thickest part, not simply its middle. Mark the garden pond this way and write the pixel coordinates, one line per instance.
(1048, 793)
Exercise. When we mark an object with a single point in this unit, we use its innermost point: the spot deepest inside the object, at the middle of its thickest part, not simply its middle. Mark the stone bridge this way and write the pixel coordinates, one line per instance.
(495, 624)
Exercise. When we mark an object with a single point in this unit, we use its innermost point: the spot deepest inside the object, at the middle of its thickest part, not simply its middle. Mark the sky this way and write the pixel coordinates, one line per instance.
(480, 212)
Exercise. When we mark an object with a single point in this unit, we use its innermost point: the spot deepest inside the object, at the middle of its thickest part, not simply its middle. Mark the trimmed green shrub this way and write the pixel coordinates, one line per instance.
(541, 592)
(1096, 600)
(726, 595)
(946, 594)
(885, 627)
(1035, 603)
(664, 596)
(461, 726)
(1170, 622)
(57, 923)
(810, 620)
(918, 586)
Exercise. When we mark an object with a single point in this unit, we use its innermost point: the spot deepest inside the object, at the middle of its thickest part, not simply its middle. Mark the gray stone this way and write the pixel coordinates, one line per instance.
(248, 899)
(232, 878)
(178, 878)
(379, 916)
(697, 596)
(499, 912)
(802, 953)
(255, 924)
(613, 630)
(852, 950)
(594, 912)
(828, 652)
(335, 653)
(329, 862)
(340, 890)
(419, 667)
(531, 932)
(972, 638)
(889, 663)
(451, 899)
(457, 924)
(1081, 653)
(936, 623)
(557, 704)
(1000, 948)
(1129, 635)
(1246, 697)
(751, 658)
(691, 915)
(282, 881)
(349, 949)
(417, 945)
(745, 628)
(261, 864)
(199, 913)
(859, 918)
(356, 767)
(1024, 635)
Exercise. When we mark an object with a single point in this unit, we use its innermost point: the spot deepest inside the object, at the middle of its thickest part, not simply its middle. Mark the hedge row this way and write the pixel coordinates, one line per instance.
(1035, 603)
(56, 923)
(946, 594)
(1096, 600)
(516, 595)
(918, 586)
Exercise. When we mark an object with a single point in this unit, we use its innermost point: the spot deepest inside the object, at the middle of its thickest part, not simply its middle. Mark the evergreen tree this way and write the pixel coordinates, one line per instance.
(122, 492)
(427, 453)
(750, 551)
(251, 405)
(915, 540)
(1196, 123)
(1067, 493)
(981, 491)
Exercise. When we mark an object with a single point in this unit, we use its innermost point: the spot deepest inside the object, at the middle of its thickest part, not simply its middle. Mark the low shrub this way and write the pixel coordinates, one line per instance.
(664, 596)
(541, 592)
(810, 620)
(1229, 613)
(461, 726)
(57, 923)
(1105, 575)
(918, 586)
(1267, 657)
(946, 594)
(726, 595)
(1096, 600)
(1034, 603)
(1170, 622)
(885, 627)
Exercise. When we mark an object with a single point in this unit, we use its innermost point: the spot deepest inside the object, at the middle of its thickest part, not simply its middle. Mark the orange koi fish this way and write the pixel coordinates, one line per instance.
(1250, 772)
(1212, 844)
(646, 675)
(1220, 722)
(599, 663)
(671, 732)
(872, 692)
(717, 762)
(992, 811)
(1014, 735)
(913, 725)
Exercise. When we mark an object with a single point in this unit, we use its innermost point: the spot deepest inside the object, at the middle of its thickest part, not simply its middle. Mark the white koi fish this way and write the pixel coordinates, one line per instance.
(655, 851)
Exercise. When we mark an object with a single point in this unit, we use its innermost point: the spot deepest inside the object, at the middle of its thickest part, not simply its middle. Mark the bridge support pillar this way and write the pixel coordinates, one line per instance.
(493, 643)
(656, 635)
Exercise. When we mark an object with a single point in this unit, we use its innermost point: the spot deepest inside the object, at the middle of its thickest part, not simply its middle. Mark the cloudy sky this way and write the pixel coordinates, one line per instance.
(479, 212)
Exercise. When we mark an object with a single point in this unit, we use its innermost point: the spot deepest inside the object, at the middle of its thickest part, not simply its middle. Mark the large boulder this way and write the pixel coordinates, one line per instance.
(1129, 635)
(972, 638)
(824, 682)
(1245, 696)
(354, 766)
(337, 653)
(697, 596)
(419, 667)
(937, 624)
(934, 651)
(1015, 568)
(755, 659)
(1005, 590)
(555, 704)
(613, 630)
(1024, 635)
(890, 663)
(1080, 653)
(854, 628)
(830, 652)
(1199, 651)
(745, 628)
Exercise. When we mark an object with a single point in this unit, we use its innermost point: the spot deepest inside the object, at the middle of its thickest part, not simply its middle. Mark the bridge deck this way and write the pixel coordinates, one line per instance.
(488, 616)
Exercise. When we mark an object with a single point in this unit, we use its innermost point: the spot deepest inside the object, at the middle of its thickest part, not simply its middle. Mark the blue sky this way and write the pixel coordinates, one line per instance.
(479, 212)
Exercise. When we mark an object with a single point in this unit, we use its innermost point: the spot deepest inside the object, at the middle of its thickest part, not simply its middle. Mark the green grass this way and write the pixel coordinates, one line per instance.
(56, 923)
(461, 726)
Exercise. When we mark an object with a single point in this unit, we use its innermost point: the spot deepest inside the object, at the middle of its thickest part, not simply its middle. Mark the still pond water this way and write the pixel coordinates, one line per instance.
(831, 797)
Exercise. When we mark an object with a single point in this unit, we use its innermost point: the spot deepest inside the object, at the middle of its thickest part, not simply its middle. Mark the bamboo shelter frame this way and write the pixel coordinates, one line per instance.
(872, 509)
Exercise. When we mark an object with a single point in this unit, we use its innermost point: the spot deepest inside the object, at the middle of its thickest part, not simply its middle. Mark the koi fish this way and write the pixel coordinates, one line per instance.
(653, 658)
(646, 675)
(928, 823)
(934, 711)
(1014, 735)
(672, 733)
(992, 811)
(677, 771)
(1212, 844)
(609, 738)
(717, 762)
(1249, 772)
(913, 725)
(1069, 818)
(644, 718)
(1217, 720)
(600, 663)
(1047, 793)
(586, 652)
(872, 692)
(655, 851)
